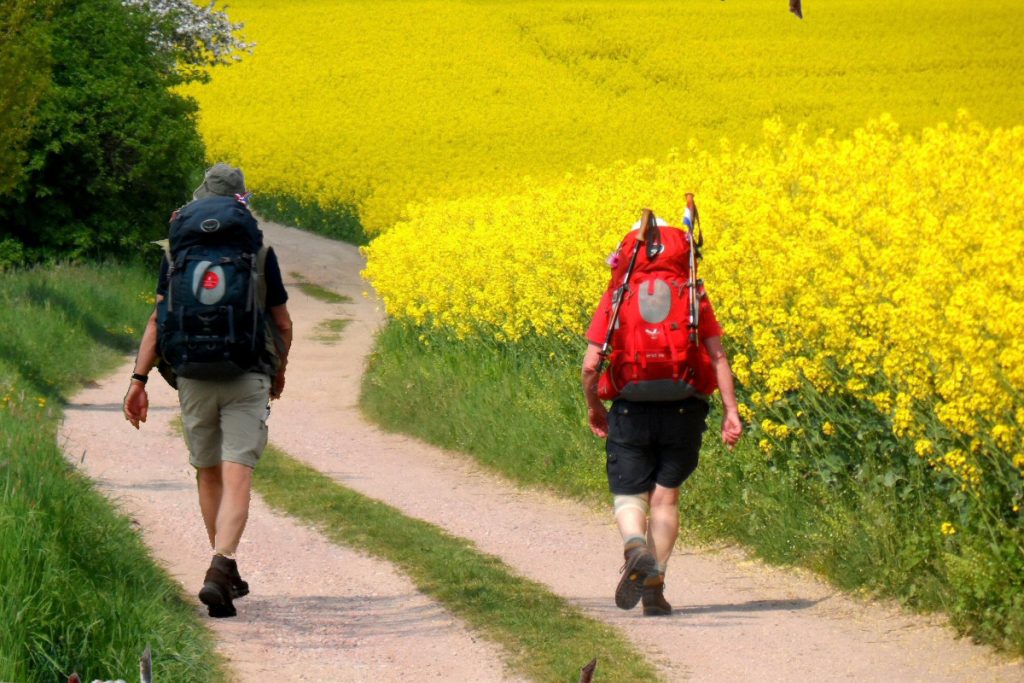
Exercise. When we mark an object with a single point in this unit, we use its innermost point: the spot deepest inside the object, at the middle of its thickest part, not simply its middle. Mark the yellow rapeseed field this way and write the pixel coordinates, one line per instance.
(383, 103)
(859, 174)
(501, 147)
(886, 267)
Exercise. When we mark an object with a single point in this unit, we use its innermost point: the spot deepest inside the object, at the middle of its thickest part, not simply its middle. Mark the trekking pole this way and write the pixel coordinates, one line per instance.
(691, 217)
(646, 221)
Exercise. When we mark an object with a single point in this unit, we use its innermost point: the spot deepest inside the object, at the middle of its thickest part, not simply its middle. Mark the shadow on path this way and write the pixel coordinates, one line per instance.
(752, 606)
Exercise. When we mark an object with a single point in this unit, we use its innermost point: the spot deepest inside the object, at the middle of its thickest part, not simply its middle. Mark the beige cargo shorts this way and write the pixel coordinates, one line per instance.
(226, 419)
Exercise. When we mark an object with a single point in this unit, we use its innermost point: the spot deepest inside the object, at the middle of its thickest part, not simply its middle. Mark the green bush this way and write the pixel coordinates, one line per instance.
(111, 150)
(24, 78)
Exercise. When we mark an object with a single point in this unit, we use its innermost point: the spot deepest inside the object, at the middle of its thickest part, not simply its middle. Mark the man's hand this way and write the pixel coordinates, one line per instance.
(732, 428)
(283, 341)
(278, 386)
(136, 404)
(597, 415)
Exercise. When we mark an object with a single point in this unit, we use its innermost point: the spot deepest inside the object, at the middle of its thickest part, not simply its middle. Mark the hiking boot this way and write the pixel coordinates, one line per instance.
(639, 564)
(217, 591)
(653, 597)
(239, 588)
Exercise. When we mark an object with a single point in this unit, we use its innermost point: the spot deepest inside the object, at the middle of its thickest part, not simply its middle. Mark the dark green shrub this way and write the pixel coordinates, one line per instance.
(112, 150)
(24, 77)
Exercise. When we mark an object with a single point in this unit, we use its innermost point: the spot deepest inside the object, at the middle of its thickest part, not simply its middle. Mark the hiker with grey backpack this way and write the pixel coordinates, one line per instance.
(220, 335)
(655, 352)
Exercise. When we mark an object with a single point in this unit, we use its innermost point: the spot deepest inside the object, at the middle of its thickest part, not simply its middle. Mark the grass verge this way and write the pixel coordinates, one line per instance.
(79, 591)
(546, 638)
(337, 222)
(515, 408)
(518, 409)
(319, 293)
(329, 331)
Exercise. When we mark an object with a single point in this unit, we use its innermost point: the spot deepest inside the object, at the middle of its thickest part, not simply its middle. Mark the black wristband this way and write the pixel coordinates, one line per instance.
(140, 378)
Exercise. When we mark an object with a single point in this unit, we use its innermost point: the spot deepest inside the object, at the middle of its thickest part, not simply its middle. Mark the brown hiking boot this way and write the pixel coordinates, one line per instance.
(217, 592)
(640, 563)
(653, 596)
(239, 588)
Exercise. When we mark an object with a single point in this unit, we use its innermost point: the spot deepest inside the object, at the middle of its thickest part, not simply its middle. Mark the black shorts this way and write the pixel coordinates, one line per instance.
(653, 443)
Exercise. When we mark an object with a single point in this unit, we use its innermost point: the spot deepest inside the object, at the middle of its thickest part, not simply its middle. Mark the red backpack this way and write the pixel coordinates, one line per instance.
(653, 349)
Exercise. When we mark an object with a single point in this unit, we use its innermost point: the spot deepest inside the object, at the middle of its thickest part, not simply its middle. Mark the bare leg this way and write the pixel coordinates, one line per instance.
(664, 523)
(234, 507)
(211, 489)
(632, 522)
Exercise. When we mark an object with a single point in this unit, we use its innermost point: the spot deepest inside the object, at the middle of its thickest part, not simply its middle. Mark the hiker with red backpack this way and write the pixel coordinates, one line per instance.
(655, 351)
(220, 335)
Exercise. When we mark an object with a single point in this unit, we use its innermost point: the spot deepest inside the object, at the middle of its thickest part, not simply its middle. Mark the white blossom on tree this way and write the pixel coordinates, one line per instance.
(196, 36)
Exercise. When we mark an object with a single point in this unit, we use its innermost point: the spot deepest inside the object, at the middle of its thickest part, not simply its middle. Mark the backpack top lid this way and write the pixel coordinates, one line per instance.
(215, 220)
(671, 260)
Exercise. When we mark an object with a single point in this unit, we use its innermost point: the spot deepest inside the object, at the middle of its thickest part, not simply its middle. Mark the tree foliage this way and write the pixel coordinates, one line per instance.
(111, 149)
(24, 78)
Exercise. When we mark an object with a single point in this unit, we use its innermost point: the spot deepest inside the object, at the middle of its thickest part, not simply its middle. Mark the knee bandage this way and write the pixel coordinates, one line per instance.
(640, 501)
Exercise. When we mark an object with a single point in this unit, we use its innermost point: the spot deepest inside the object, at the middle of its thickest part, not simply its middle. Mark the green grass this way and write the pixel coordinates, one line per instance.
(317, 292)
(544, 637)
(329, 331)
(336, 222)
(515, 408)
(79, 591)
(871, 527)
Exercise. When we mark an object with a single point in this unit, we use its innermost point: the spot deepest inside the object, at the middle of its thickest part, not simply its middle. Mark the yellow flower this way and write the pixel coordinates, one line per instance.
(1002, 435)
(778, 430)
(856, 385)
(924, 448)
(882, 401)
(828, 429)
(947, 529)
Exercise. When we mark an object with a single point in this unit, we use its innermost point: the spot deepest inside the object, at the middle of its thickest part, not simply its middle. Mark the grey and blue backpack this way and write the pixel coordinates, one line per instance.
(212, 323)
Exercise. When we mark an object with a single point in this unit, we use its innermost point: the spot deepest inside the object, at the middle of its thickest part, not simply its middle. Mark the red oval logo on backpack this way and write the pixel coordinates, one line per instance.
(210, 280)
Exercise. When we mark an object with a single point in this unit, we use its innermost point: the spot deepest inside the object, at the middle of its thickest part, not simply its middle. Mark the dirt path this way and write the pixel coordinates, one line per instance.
(313, 602)
(317, 612)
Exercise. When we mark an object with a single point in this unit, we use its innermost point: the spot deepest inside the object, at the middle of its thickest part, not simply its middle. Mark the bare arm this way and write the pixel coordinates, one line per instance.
(732, 426)
(597, 414)
(136, 401)
(283, 323)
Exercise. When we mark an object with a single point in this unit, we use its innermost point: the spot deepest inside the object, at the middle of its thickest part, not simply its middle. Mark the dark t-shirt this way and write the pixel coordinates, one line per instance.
(276, 293)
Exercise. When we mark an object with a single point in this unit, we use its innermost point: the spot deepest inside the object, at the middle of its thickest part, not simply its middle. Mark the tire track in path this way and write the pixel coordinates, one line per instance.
(736, 619)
